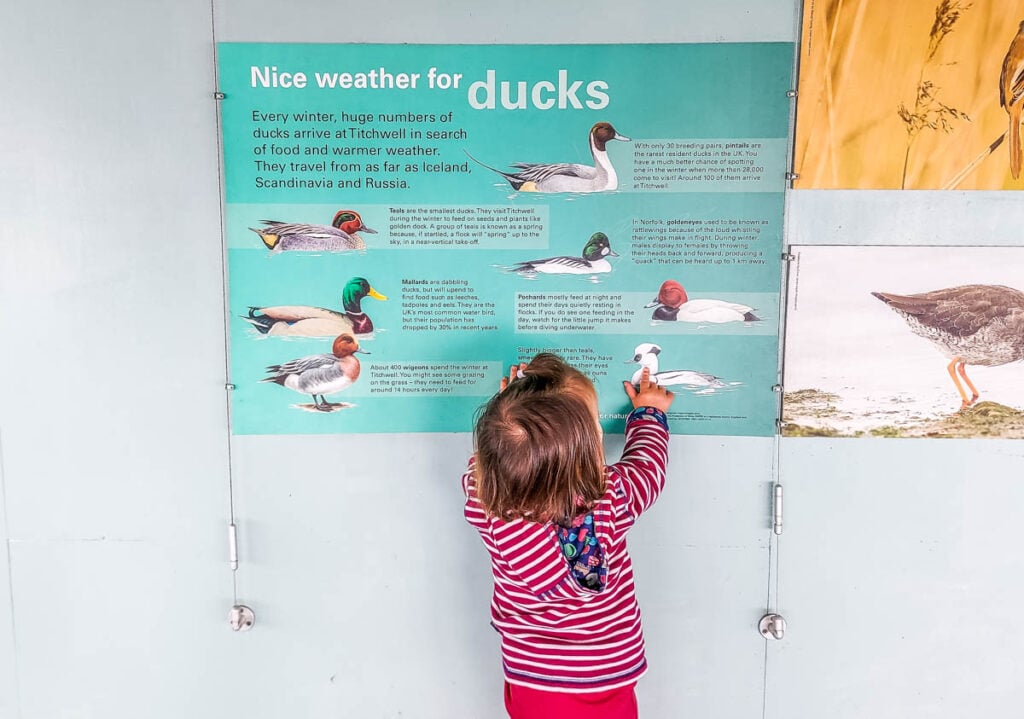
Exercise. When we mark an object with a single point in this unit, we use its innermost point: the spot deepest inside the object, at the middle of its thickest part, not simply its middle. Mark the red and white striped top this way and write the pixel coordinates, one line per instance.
(556, 634)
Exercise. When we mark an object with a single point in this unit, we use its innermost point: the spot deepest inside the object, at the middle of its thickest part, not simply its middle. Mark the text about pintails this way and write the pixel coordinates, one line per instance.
(702, 165)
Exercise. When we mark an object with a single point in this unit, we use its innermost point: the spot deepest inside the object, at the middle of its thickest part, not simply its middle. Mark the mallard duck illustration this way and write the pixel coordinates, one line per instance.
(970, 324)
(320, 375)
(306, 321)
(339, 236)
(646, 355)
(593, 261)
(564, 176)
(673, 305)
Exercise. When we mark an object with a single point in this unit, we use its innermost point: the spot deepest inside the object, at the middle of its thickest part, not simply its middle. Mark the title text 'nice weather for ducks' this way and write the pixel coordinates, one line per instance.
(562, 94)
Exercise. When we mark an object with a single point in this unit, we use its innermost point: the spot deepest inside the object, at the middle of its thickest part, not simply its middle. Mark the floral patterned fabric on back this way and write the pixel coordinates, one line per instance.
(583, 552)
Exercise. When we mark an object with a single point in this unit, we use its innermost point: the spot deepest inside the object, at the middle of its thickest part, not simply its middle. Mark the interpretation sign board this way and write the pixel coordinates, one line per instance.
(403, 222)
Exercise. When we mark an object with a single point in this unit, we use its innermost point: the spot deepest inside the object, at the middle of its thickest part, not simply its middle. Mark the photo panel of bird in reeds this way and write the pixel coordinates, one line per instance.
(916, 94)
(885, 341)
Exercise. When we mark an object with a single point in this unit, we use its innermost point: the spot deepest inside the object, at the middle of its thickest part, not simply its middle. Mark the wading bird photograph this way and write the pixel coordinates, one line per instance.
(905, 342)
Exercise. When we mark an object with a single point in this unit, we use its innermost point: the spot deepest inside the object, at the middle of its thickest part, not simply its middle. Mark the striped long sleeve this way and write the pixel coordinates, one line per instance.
(555, 633)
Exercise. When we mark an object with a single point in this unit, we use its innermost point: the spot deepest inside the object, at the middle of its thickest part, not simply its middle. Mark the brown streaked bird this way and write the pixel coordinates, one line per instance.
(1011, 95)
(970, 324)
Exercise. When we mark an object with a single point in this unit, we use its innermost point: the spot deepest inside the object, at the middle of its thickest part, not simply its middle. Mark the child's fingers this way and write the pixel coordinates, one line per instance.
(645, 379)
(514, 372)
(630, 389)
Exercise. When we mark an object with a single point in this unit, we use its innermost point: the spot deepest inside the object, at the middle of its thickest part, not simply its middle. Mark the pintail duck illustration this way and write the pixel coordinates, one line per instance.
(646, 355)
(339, 236)
(565, 176)
(593, 261)
(305, 321)
(673, 305)
(320, 375)
(970, 324)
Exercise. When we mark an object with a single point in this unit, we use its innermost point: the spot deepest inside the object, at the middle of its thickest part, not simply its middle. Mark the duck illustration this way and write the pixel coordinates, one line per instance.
(305, 321)
(321, 374)
(646, 355)
(970, 324)
(674, 306)
(593, 260)
(565, 176)
(339, 236)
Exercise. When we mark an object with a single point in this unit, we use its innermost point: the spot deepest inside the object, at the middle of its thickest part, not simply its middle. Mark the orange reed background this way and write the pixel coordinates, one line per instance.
(860, 59)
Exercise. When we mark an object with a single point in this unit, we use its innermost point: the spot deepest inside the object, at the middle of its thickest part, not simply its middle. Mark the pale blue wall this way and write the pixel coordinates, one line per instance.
(370, 592)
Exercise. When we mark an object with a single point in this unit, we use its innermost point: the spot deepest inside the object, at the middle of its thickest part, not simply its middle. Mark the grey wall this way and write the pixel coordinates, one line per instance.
(116, 466)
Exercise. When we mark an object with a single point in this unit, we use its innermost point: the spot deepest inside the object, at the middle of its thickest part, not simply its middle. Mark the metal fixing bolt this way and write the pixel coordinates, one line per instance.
(772, 626)
(241, 618)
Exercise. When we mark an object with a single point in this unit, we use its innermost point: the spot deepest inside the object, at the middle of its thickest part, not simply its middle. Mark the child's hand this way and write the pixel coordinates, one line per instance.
(649, 394)
(514, 372)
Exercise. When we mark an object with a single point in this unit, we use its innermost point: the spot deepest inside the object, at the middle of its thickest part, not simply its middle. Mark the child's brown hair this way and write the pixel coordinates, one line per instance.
(538, 446)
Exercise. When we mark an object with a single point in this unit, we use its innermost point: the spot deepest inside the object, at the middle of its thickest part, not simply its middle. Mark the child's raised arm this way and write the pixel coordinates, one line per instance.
(642, 466)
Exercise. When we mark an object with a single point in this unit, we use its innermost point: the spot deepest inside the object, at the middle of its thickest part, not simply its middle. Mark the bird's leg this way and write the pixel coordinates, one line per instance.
(325, 405)
(322, 406)
(962, 369)
(951, 368)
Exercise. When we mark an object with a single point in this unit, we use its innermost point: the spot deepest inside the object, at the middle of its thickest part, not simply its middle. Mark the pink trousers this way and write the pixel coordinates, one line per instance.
(527, 703)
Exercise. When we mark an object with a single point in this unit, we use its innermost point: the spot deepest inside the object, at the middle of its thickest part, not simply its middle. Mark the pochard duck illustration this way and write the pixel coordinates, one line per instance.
(594, 260)
(320, 375)
(970, 324)
(566, 176)
(673, 305)
(341, 235)
(646, 355)
(306, 321)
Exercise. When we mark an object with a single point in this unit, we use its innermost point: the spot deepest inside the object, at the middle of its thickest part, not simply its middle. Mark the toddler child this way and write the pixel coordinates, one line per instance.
(554, 520)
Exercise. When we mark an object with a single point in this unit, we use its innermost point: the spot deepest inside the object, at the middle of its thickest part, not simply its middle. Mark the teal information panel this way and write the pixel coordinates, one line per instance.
(404, 222)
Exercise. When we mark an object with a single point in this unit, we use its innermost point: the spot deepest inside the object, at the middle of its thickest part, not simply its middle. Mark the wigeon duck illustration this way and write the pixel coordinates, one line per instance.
(306, 321)
(646, 355)
(339, 236)
(593, 260)
(564, 176)
(320, 375)
(970, 324)
(675, 306)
